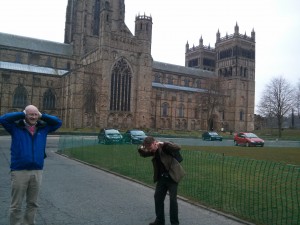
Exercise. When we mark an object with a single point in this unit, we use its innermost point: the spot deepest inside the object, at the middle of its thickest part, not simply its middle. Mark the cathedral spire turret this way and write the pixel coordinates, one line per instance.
(236, 29)
(187, 46)
(201, 41)
(218, 36)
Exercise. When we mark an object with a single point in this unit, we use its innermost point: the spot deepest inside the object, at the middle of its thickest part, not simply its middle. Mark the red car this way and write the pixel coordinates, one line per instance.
(248, 139)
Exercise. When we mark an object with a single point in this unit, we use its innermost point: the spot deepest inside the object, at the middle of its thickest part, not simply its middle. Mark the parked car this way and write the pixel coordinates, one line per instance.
(248, 139)
(134, 136)
(212, 136)
(110, 136)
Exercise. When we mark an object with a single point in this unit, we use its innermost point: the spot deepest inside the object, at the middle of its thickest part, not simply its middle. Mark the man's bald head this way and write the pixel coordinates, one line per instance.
(31, 107)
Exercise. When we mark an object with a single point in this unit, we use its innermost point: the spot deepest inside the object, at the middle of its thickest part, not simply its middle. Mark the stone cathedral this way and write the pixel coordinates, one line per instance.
(103, 75)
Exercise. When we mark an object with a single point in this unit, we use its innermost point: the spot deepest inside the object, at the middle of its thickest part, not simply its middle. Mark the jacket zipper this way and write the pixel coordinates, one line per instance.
(32, 139)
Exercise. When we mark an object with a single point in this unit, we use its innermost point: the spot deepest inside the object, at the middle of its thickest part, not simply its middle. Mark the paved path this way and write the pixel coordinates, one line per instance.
(77, 194)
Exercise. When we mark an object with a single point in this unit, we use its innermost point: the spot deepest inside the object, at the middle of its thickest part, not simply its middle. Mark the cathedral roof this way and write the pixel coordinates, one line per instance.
(31, 68)
(34, 44)
(176, 87)
(182, 69)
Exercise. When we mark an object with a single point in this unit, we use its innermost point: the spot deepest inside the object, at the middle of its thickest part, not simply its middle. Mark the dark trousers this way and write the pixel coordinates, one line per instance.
(165, 184)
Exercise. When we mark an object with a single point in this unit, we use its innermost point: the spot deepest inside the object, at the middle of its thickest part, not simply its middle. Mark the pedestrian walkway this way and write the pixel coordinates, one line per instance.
(77, 194)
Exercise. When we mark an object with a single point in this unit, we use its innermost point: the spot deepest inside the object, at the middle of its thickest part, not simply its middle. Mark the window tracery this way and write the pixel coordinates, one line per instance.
(49, 100)
(121, 86)
(20, 97)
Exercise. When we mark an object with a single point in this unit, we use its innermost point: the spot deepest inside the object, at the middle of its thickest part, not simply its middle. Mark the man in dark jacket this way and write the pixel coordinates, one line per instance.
(167, 173)
(28, 130)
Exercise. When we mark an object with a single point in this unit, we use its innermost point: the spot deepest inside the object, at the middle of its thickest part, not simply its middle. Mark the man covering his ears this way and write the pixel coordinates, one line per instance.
(28, 130)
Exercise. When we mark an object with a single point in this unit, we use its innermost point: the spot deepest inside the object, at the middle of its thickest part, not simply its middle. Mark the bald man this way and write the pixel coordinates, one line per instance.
(28, 130)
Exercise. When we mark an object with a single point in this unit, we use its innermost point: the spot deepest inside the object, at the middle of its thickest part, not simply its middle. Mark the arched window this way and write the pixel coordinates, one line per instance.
(186, 82)
(49, 100)
(157, 78)
(49, 62)
(120, 86)
(165, 109)
(245, 72)
(181, 97)
(170, 80)
(20, 97)
(181, 110)
(197, 112)
(18, 58)
(241, 115)
(96, 21)
(242, 101)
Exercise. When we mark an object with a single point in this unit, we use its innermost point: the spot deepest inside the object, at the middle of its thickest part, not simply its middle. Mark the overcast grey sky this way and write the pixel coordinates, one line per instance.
(176, 22)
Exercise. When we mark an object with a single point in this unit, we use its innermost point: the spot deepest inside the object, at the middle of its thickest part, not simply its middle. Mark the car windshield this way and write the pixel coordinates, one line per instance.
(213, 133)
(250, 135)
(112, 133)
(138, 133)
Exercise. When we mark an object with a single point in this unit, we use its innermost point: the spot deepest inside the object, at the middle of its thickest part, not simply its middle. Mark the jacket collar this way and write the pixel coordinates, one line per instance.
(22, 124)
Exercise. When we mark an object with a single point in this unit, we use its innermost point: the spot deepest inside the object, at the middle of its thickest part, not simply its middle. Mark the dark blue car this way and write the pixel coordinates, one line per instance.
(110, 136)
(211, 136)
(134, 136)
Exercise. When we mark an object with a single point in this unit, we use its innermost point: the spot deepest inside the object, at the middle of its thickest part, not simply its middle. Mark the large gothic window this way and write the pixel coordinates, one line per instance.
(49, 100)
(20, 97)
(120, 86)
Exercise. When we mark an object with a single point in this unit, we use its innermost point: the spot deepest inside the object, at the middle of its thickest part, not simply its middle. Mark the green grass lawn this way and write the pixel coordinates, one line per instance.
(257, 184)
(275, 154)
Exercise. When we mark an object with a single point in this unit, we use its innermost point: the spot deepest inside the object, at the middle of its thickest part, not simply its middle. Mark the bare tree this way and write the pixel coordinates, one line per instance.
(277, 100)
(298, 98)
(213, 99)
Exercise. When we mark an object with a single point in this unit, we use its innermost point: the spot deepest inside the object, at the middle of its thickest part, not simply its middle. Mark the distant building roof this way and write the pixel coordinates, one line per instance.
(178, 88)
(31, 68)
(182, 69)
(34, 44)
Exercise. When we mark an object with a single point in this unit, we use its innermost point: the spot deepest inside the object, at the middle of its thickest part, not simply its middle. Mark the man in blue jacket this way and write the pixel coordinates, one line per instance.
(28, 130)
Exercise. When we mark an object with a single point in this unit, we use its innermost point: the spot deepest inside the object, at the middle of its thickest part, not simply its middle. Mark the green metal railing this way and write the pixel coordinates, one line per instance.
(262, 192)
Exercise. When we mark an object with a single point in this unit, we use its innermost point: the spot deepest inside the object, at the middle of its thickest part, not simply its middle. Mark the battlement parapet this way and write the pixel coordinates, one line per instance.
(207, 48)
(143, 17)
(231, 36)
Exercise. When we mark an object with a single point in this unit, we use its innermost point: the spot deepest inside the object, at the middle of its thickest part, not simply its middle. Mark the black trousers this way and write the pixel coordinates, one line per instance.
(165, 184)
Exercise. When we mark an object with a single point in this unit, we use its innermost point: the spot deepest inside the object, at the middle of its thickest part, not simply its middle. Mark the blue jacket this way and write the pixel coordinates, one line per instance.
(27, 151)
